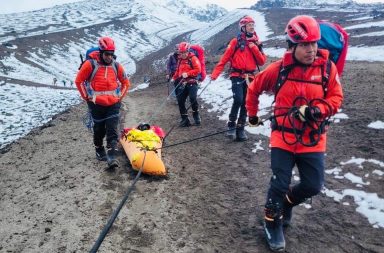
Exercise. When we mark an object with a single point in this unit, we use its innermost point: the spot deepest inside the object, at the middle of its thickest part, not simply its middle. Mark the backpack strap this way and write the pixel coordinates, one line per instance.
(281, 78)
(90, 91)
(242, 44)
(284, 72)
(325, 78)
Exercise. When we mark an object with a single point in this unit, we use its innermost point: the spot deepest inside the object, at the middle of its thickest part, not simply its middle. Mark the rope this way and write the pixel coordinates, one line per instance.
(212, 134)
(316, 126)
(89, 121)
(155, 113)
(111, 220)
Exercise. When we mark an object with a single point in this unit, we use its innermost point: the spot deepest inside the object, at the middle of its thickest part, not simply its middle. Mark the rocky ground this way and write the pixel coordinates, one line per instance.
(56, 197)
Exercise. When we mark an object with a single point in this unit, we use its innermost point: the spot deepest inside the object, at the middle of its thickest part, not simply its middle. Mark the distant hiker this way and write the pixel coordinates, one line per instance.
(185, 79)
(103, 83)
(171, 69)
(245, 54)
(55, 81)
(310, 97)
(63, 82)
(172, 63)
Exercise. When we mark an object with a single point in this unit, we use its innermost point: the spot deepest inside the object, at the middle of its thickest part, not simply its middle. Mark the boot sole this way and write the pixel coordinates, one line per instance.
(113, 164)
(274, 249)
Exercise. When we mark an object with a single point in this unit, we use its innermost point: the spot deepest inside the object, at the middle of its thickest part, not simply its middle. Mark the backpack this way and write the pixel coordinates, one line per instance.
(95, 66)
(198, 51)
(334, 39)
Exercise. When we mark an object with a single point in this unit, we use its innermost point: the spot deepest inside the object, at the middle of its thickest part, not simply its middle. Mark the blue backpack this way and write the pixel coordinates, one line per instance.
(335, 39)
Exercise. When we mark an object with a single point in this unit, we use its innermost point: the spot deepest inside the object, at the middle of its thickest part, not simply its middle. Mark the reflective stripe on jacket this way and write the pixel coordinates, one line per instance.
(104, 83)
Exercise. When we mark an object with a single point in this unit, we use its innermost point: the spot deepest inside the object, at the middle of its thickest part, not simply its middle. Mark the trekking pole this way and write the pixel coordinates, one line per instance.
(163, 103)
(113, 217)
(173, 127)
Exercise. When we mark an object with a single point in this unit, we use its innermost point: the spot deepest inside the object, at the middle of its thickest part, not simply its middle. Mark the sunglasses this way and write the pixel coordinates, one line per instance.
(109, 53)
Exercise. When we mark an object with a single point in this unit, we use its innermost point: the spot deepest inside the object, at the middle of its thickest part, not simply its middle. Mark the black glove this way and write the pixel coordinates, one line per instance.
(310, 113)
(260, 46)
(254, 121)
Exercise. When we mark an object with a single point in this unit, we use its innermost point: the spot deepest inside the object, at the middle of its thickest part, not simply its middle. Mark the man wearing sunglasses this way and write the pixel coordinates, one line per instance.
(103, 83)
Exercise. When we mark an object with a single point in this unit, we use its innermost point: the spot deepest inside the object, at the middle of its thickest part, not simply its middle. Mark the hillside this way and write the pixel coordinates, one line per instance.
(56, 197)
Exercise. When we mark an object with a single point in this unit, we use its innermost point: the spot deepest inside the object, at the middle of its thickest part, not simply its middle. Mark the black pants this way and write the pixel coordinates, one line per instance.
(311, 172)
(182, 92)
(106, 120)
(239, 90)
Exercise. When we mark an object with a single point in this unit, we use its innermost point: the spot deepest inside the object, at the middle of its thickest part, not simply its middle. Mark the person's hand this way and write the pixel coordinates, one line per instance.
(184, 75)
(310, 113)
(251, 44)
(254, 121)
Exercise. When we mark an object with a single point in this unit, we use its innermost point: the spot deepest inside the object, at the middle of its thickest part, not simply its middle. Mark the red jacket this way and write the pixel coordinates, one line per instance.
(104, 80)
(266, 81)
(190, 65)
(242, 60)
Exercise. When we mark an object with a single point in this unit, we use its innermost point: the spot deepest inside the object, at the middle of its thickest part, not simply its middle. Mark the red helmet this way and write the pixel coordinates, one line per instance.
(245, 20)
(106, 44)
(183, 47)
(302, 29)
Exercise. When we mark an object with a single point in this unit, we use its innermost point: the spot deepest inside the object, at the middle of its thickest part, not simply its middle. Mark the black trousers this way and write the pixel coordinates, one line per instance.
(106, 120)
(311, 172)
(182, 93)
(239, 90)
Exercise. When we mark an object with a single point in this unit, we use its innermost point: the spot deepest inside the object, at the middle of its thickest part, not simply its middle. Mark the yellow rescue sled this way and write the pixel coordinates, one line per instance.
(137, 142)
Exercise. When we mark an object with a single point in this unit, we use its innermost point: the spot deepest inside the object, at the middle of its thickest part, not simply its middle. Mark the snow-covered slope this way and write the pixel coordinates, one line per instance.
(138, 27)
(208, 31)
(300, 3)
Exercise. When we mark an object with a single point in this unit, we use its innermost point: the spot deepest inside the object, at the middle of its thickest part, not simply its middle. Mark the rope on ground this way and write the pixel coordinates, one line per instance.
(113, 217)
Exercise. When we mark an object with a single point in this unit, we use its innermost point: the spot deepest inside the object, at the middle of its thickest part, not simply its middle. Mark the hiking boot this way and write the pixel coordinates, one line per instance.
(100, 154)
(231, 133)
(197, 118)
(273, 227)
(287, 209)
(240, 133)
(184, 121)
(111, 158)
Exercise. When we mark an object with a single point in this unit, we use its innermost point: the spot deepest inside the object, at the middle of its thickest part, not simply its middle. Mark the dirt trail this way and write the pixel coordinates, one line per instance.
(55, 196)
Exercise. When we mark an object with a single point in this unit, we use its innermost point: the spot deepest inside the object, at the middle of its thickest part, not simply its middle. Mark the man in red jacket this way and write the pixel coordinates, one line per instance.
(185, 79)
(102, 82)
(304, 99)
(245, 55)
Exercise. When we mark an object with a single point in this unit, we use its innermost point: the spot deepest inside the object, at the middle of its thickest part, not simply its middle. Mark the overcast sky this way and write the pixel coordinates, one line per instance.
(28, 5)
